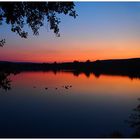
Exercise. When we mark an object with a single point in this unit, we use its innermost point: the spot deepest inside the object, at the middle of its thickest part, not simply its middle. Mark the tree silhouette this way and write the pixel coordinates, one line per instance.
(5, 82)
(134, 121)
(33, 14)
(2, 42)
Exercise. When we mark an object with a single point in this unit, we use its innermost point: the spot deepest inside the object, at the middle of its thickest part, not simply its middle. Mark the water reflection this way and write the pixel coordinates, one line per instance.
(134, 121)
(5, 81)
(116, 134)
(61, 105)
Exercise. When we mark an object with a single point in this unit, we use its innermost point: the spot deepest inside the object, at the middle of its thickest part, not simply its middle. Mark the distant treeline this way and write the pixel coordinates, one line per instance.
(126, 67)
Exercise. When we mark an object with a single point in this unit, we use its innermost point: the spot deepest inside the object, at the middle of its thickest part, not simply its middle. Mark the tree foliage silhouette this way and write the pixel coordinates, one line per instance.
(134, 121)
(5, 82)
(33, 14)
(2, 42)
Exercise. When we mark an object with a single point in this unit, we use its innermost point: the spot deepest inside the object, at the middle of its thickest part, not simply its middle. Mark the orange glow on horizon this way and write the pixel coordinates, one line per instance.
(80, 52)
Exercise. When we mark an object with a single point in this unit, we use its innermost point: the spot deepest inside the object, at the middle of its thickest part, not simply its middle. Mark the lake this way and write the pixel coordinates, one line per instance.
(65, 105)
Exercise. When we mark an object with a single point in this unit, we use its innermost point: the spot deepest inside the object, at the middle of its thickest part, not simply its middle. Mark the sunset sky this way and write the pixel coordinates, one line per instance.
(101, 31)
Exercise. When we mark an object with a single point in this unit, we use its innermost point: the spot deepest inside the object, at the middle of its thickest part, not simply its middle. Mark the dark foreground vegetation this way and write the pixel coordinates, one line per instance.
(123, 67)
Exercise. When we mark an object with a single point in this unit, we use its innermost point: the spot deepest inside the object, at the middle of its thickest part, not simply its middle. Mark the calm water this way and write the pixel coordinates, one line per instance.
(72, 106)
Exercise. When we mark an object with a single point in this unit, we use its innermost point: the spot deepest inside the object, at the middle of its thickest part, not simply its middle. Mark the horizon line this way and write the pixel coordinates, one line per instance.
(68, 61)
